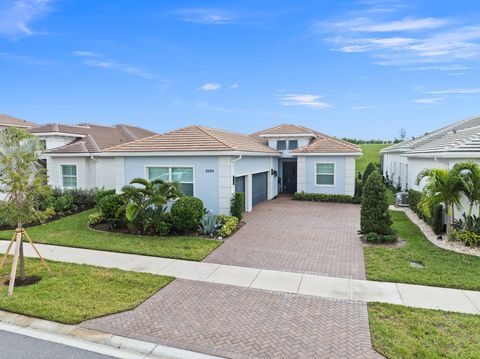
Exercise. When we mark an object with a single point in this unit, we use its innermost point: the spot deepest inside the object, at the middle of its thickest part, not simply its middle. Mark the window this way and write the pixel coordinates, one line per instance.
(183, 175)
(292, 144)
(69, 176)
(281, 145)
(325, 174)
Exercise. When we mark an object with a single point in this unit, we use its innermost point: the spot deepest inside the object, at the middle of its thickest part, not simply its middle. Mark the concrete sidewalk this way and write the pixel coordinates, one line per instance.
(454, 300)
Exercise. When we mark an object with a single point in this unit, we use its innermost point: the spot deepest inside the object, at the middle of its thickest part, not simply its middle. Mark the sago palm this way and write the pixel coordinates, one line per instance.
(442, 187)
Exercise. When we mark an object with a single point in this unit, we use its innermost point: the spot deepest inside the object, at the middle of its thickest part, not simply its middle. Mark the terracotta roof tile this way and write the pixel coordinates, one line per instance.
(194, 139)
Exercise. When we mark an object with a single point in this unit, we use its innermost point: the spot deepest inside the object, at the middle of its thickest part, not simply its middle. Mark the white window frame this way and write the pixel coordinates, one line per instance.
(170, 173)
(60, 166)
(315, 174)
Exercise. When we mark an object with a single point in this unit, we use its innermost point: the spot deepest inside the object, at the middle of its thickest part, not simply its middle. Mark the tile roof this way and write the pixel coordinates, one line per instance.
(194, 139)
(320, 143)
(6, 120)
(432, 139)
(92, 138)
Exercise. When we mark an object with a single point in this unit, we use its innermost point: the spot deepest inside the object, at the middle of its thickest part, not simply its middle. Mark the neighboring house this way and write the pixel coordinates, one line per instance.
(442, 148)
(213, 164)
(72, 152)
(9, 121)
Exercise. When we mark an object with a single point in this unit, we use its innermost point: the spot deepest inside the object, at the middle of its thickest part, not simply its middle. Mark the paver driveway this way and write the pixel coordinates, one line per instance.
(296, 236)
(236, 322)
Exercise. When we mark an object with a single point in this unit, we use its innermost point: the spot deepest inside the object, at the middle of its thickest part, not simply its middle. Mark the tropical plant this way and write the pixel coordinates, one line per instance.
(23, 181)
(469, 176)
(228, 225)
(146, 194)
(442, 187)
(209, 224)
(238, 205)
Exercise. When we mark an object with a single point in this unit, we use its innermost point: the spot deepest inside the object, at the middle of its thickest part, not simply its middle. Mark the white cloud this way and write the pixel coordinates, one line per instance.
(429, 101)
(234, 86)
(210, 86)
(448, 68)
(125, 68)
(461, 91)
(81, 53)
(304, 100)
(407, 24)
(206, 16)
(17, 15)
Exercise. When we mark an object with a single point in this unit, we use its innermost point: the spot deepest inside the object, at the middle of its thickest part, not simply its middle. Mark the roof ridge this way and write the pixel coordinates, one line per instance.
(137, 140)
(206, 131)
(94, 143)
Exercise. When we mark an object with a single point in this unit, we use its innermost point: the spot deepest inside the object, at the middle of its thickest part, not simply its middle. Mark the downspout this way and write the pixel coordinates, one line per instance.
(235, 160)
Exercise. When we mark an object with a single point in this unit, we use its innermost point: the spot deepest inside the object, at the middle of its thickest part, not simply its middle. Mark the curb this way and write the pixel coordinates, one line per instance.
(131, 348)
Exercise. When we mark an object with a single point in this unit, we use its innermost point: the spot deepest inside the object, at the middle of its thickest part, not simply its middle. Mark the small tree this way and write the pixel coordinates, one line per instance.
(469, 175)
(374, 216)
(442, 187)
(24, 182)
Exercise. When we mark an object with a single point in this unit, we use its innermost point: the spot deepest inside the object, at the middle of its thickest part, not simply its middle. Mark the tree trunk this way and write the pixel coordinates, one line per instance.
(449, 221)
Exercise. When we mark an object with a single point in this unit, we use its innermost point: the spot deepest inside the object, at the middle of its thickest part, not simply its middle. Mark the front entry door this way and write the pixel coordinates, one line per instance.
(290, 177)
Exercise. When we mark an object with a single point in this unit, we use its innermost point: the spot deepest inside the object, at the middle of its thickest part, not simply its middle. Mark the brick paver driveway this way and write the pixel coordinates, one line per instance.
(294, 236)
(239, 322)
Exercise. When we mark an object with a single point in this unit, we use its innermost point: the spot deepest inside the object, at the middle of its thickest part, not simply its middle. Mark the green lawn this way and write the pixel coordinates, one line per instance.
(371, 153)
(400, 332)
(72, 231)
(74, 293)
(442, 268)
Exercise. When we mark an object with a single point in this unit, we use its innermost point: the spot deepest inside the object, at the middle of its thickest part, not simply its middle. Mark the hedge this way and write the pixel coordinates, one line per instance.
(321, 197)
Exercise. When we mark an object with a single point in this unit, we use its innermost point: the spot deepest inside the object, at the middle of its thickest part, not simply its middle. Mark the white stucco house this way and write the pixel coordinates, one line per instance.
(441, 148)
(209, 163)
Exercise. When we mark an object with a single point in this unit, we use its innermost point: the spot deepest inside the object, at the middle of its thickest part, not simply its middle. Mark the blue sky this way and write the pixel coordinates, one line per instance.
(363, 68)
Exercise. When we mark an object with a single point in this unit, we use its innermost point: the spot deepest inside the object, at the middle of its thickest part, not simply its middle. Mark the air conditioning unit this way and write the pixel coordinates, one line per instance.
(401, 199)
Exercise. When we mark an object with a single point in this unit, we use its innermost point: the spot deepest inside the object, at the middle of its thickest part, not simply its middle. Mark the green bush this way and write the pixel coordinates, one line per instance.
(238, 205)
(95, 218)
(374, 215)
(102, 192)
(186, 213)
(371, 168)
(108, 206)
(228, 225)
(157, 222)
(469, 238)
(380, 238)
(82, 198)
(320, 197)
(62, 204)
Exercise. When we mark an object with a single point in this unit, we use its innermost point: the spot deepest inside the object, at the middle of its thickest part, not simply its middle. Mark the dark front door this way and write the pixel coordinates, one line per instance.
(289, 177)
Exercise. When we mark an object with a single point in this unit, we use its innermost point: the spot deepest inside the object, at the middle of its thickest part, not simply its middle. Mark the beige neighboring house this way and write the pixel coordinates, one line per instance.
(9, 121)
(73, 152)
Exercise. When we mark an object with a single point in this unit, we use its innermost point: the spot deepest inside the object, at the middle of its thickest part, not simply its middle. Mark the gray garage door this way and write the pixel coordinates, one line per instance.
(259, 188)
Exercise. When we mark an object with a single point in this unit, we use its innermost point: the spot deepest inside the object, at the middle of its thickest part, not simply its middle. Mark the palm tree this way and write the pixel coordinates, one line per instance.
(469, 175)
(147, 194)
(442, 187)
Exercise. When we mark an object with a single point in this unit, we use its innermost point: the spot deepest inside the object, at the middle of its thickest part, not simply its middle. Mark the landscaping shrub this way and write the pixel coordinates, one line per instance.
(320, 197)
(186, 213)
(82, 198)
(108, 206)
(380, 238)
(371, 168)
(469, 238)
(228, 225)
(61, 204)
(102, 192)
(374, 215)
(238, 205)
(157, 222)
(95, 218)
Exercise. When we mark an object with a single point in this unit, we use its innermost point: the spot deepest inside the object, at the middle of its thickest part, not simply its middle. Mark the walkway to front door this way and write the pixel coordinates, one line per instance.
(304, 237)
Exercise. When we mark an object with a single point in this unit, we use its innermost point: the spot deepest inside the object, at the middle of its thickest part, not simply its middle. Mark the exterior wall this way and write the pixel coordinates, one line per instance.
(350, 172)
(53, 141)
(206, 181)
(83, 170)
(340, 175)
(225, 184)
(396, 167)
(301, 174)
(105, 172)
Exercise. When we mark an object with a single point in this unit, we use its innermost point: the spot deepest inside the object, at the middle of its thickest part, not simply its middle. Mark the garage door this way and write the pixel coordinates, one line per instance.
(259, 188)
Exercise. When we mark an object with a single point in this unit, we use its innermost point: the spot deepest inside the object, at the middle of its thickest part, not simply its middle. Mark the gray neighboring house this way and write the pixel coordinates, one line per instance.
(9, 121)
(71, 152)
(441, 148)
(213, 164)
